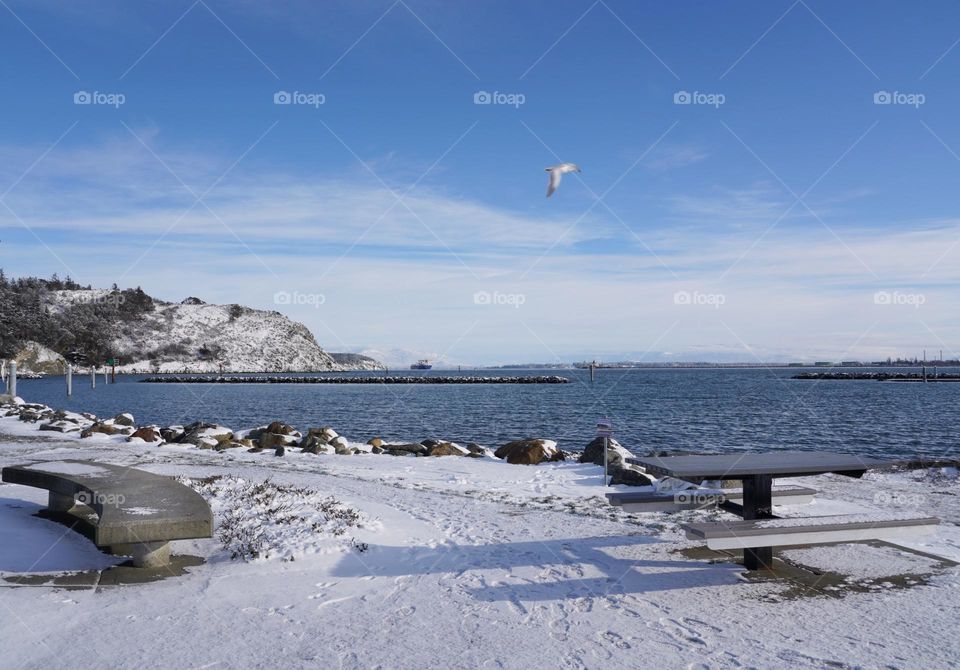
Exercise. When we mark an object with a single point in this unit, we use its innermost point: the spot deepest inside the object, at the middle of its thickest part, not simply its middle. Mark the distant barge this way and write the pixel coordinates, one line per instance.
(879, 376)
(206, 379)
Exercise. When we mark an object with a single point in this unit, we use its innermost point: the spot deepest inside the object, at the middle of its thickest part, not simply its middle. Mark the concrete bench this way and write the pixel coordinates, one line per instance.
(672, 501)
(137, 513)
(809, 530)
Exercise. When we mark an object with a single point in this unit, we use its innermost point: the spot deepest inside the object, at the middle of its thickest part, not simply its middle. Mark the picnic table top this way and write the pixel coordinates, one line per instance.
(776, 463)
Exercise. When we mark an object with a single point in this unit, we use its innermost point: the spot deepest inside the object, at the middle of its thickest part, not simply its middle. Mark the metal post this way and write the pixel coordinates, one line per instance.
(69, 380)
(93, 377)
(758, 504)
(606, 448)
(12, 379)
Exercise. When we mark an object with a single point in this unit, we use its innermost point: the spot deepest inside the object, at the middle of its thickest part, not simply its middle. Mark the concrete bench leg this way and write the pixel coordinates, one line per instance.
(57, 502)
(145, 554)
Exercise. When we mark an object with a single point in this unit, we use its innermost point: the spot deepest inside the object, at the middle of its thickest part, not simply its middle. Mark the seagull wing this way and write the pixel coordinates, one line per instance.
(555, 176)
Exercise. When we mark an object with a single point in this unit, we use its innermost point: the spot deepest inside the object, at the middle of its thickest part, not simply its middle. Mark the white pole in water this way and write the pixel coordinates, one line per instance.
(69, 380)
(12, 379)
(93, 377)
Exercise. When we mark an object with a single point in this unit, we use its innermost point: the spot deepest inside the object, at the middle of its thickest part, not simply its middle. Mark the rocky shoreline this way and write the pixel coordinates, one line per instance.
(368, 379)
(278, 439)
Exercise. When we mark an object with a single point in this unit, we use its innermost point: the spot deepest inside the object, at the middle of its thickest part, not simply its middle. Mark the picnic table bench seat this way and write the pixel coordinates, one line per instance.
(780, 532)
(138, 513)
(668, 501)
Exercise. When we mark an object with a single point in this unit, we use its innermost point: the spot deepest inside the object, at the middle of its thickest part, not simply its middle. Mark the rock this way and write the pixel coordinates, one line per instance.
(205, 435)
(593, 452)
(376, 450)
(147, 434)
(171, 433)
(233, 444)
(375, 442)
(341, 447)
(405, 449)
(255, 450)
(280, 451)
(324, 435)
(274, 440)
(477, 451)
(34, 415)
(101, 428)
(530, 451)
(630, 476)
(312, 444)
(447, 449)
(124, 419)
(430, 443)
(401, 452)
(60, 427)
(281, 428)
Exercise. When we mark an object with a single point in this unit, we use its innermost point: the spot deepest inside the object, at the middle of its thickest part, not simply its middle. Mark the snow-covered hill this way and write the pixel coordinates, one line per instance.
(194, 337)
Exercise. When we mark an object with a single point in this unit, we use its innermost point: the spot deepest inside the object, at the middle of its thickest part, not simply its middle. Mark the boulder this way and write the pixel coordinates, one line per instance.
(124, 419)
(324, 435)
(171, 433)
(101, 428)
(405, 449)
(147, 434)
(375, 442)
(280, 428)
(477, 451)
(280, 451)
(593, 452)
(313, 444)
(530, 451)
(630, 476)
(274, 440)
(233, 444)
(447, 449)
(205, 435)
(376, 450)
(431, 442)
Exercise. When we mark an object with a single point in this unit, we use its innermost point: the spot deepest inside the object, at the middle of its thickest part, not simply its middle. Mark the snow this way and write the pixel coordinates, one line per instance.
(830, 520)
(253, 341)
(463, 563)
(62, 468)
(861, 561)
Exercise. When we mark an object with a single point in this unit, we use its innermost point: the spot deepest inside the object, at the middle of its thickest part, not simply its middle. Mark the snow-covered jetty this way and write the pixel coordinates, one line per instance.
(365, 379)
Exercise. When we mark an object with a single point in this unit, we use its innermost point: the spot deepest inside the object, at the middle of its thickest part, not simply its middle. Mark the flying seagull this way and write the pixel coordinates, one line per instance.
(556, 172)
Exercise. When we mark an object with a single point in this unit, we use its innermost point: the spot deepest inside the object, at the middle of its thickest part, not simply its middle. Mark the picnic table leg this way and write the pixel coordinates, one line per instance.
(758, 504)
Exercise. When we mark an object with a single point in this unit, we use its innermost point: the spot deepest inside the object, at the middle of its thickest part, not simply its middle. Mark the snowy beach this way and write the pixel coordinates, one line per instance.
(470, 562)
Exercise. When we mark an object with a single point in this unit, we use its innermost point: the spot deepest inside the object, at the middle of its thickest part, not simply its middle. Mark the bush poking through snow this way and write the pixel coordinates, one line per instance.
(264, 520)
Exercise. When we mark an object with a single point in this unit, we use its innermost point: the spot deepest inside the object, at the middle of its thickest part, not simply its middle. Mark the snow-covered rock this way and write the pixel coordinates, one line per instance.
(530, 451)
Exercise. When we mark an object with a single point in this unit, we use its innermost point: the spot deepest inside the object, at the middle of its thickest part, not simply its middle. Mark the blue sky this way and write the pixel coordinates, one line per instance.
(794, 217)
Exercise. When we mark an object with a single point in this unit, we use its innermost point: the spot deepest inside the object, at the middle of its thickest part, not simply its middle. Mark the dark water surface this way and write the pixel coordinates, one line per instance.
(691, 409)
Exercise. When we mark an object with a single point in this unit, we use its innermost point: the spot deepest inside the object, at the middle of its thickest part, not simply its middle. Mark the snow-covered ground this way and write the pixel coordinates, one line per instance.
(458, 562)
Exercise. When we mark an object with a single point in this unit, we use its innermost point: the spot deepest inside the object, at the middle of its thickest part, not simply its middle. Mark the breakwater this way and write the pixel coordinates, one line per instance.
(367, 379)
(880, 376)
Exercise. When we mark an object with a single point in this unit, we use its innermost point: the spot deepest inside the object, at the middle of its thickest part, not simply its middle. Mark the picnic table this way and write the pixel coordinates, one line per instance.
(757, 472)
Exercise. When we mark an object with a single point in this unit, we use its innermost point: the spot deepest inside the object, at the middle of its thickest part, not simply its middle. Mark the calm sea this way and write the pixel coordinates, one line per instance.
(704, 410)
